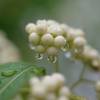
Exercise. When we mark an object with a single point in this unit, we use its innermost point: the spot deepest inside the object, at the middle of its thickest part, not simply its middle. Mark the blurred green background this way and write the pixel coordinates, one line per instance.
(84, 14)
(15, 14)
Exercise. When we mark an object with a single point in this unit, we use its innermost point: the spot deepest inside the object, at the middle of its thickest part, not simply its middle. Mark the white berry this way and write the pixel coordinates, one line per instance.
(55, 30)
(34, 38)
(59, 78)
(64, 91)
(51, 96)
(41, 27)
(52, 51)
(98, 86)
(34, 81)
(47, 39)
(79, 41)
(40, 49)
(63, 98)
(50, 83)
(39, 91)
(30, 28)
(59, 41)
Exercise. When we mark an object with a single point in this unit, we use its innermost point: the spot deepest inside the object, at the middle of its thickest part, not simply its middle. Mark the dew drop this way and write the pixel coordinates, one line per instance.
(52, 59)
(39, 56)
(8, 73)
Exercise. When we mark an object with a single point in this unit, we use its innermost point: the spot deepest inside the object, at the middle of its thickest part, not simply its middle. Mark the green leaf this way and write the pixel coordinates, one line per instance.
(13, 76)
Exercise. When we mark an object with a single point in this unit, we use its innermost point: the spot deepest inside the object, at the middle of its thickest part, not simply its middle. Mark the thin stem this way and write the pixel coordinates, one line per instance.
(80, 78)
(75, 84)
(56, 66)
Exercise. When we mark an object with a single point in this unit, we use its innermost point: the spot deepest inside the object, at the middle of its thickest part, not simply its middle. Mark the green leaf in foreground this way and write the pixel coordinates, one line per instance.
(13, 76)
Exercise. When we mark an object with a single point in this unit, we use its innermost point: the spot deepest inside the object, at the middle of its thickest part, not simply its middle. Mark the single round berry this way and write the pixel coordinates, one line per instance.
(65, 29)
(34, 81)
(30, 28)
(52, 51)
(39, 92)
(59, 41)
(51, 96)
(47, 39)
(41, 27)
(90, 53)
(98, 86)
(79, 33)
(50, 83)
(59, 79)
(40, 49)
(34, 38)
(63, 98)
(51, 22)
(55, 30)
(79, 42)
(64, 91)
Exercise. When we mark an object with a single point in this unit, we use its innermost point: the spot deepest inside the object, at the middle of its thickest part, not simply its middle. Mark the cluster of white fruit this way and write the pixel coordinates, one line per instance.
(49, 37)
(49, 88)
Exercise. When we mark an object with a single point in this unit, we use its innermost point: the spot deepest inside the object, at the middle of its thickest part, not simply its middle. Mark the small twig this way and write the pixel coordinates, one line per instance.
(56, 65)
(80, 79)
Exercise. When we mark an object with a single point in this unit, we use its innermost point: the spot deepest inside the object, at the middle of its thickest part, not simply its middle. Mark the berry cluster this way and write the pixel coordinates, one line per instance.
(49, 88)
(49, 37)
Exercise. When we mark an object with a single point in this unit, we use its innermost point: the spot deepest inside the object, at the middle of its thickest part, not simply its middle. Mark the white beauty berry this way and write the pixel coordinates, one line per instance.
(79, 42)
(51, 96)
(90, 53)
(34, 38)
(40, 49)
(47, 39)
(73, 33)
(94, 53)
(63, 98)
(64, 91)
(34, 81)
(98, 86)
(59, 78)
(52, 51)
(41, 22)
(30, 28)
(65, 29)
(96, 63)
(59, 41)
(41, 27)
(51, 22)
(39, 91)
(55, 30)
(50, 83)
(79, 32)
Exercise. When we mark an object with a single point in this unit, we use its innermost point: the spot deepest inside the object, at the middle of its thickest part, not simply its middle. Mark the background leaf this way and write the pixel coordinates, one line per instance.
(13, 76)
